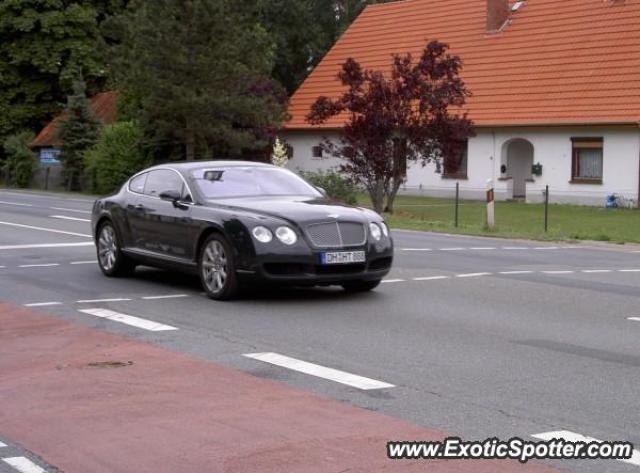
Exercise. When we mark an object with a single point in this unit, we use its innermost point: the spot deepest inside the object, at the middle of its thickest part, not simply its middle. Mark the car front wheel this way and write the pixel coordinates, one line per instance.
(217, 269)
(360, 286)
(111, 260)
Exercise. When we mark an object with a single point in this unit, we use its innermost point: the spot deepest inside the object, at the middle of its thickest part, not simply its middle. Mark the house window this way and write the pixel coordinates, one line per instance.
(455, 166)
(289, 151)
(316, 152)
(586, 165)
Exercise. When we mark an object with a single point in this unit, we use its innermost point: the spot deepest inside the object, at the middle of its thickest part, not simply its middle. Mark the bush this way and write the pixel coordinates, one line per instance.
(116, 156)
(336, 185)
(20, 161)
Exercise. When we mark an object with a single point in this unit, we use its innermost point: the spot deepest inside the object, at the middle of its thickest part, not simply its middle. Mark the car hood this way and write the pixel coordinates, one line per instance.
(297, 209)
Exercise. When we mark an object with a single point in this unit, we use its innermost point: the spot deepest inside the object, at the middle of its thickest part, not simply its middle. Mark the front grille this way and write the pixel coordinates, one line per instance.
(336, 234)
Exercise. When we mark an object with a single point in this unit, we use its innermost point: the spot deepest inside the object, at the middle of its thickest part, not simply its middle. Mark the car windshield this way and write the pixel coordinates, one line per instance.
(251, 181)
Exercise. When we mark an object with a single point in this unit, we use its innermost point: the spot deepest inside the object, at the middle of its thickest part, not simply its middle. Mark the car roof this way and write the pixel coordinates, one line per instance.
(185, 166)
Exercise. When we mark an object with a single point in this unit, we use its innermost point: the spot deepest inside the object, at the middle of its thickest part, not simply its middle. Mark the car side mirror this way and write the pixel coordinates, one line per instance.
(321, 190)
(171, 195)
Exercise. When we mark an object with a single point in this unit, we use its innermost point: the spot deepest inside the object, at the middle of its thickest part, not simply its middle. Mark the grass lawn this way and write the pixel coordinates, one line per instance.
(516, 220)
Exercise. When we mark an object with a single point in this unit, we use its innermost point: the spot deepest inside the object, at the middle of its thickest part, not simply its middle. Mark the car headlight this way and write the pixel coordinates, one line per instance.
(375, 231)
(286, 235)
(262, 234)
(385, 229)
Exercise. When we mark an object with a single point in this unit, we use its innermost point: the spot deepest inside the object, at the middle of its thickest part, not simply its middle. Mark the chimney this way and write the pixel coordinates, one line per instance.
(498, 12)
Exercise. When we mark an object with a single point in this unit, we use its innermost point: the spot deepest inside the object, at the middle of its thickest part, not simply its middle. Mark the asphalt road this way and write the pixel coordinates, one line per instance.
(479, 337)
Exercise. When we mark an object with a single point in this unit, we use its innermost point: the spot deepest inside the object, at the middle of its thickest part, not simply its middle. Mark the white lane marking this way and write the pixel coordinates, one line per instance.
(417, 249)
(42, 304)
(592, 271)
(515, 248)
(48, 265)
(129, 320)
(84, 262)
(23, 465)
(71, 210)
(75, 219)
(450, 249)
(482, 248)
(393, 280)
(312, 369)
(574, 437)
(171, 296)
(472, 275)
(634, 319)
(2, 267)
(431, 278)
(92, 301)
(629, 270)
(546, 248)
(558, 272)
(15, 203)
(2, 444)
(515, 272)
(45, 245)
(42, 229)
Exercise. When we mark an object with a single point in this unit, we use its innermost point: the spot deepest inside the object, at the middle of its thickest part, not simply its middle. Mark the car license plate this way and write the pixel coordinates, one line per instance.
(343, 257)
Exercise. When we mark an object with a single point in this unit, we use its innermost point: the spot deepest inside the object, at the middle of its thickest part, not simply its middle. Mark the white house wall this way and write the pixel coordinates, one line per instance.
(487, 152)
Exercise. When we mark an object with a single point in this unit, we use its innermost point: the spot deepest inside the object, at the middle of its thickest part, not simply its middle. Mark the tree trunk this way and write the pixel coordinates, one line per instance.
(190, 142)
(399, 172)
(376, 194)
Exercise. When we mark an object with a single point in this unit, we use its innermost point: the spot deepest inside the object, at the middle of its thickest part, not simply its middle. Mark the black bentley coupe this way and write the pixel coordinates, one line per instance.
(235, 223)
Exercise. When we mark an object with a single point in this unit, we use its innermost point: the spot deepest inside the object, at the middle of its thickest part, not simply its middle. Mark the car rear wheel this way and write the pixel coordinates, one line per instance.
(111, 260)
(217, 269)
(360, 286)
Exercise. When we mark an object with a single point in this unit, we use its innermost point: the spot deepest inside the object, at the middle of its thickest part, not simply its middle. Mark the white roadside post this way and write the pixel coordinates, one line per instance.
(491, 211)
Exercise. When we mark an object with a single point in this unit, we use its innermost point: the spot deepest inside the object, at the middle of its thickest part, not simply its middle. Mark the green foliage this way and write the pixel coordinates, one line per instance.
(116, 156)
(200, 71)
(78, 133)
(336, 185)
(43, 45)
(20, 159)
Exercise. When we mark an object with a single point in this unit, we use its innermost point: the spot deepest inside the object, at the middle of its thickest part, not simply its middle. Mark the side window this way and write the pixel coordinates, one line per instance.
(162, 180)
(137, 184)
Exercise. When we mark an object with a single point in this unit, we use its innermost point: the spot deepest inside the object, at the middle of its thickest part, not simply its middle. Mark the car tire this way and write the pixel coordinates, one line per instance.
(112, 261)
(360, 286)
(217, 269)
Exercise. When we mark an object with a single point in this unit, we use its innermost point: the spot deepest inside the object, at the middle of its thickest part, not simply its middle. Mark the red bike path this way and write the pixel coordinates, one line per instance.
(170, 412)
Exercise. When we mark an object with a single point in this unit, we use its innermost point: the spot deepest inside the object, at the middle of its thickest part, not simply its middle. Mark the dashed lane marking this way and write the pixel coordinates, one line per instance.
(47, 265)
(45, 245)
(596, 271)
(393, 280)
(472, 275)
(558, 272)
(319, 371)
(451, 249)
(514, 273)
(629, 270)
(71, 210)
(42, 304)
(2, 445)
(23, 465)
(15, 203)
(483, 248)
(75, 219)
(634, 319)
(514, 248)
(96, 301)
(431, 278)
(83, 262)
(170, 296)
(43, 229)
(574, 437)
(417, 249)
(129, 320)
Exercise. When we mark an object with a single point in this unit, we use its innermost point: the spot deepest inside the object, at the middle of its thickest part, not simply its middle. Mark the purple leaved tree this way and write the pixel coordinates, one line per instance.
(413, 115)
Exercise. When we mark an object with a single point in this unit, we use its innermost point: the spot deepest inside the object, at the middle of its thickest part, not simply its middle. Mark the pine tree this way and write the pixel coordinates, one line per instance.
(78, 132)
(199, 70)
(280, 154)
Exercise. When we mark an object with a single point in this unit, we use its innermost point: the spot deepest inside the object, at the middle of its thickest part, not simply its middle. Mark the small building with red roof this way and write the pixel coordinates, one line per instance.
(47, 143)
(555, 84)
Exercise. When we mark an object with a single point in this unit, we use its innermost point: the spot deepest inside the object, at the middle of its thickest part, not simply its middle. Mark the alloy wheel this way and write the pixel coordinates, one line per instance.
(214, 266)
(107, 248)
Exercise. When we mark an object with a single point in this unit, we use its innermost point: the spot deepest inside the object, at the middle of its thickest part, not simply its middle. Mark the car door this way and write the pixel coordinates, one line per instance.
(164, 227)
(134, 210)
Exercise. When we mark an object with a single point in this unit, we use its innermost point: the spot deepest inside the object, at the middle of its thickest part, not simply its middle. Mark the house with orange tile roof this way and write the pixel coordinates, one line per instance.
(47, 143)
(555, 94)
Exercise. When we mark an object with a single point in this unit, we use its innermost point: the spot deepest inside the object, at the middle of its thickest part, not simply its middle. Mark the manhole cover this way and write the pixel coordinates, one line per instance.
(109, 364)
